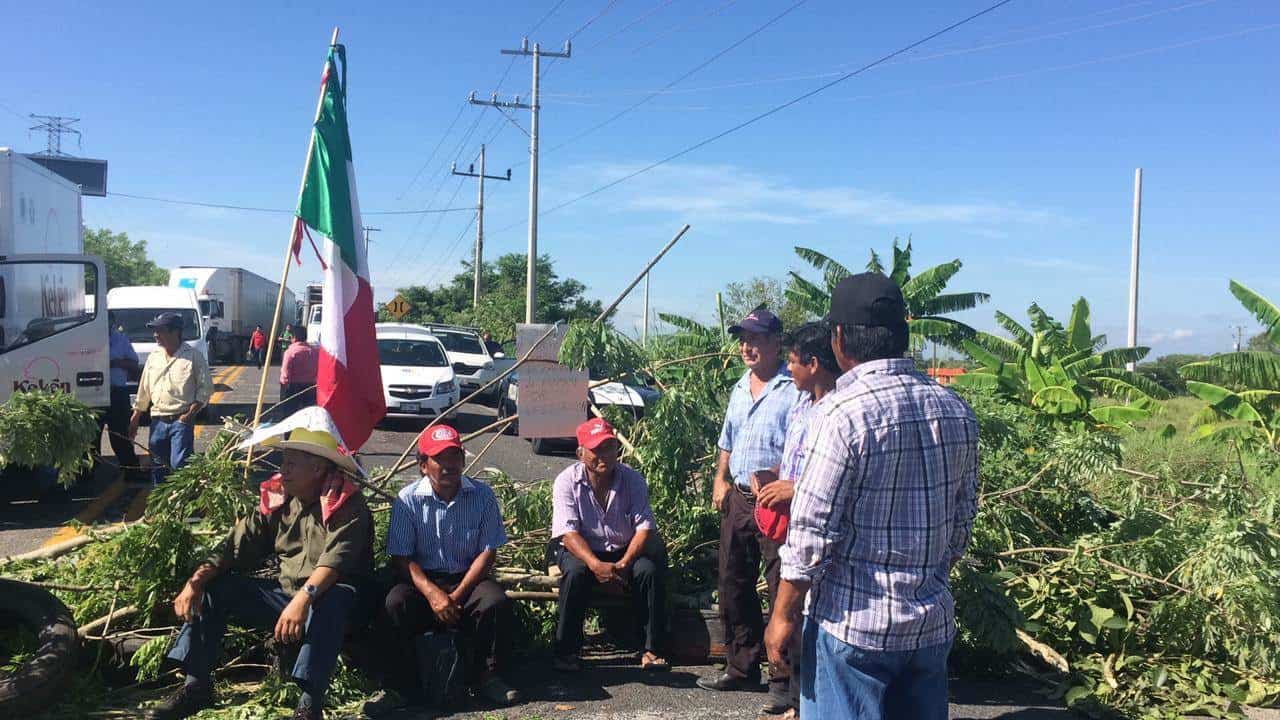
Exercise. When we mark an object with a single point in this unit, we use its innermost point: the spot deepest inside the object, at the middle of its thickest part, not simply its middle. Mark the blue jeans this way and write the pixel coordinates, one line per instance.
(259, 602)
(170, 443)
(841, 682)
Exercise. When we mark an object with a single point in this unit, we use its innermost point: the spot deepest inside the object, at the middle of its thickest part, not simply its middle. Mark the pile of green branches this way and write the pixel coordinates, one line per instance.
(46, 428)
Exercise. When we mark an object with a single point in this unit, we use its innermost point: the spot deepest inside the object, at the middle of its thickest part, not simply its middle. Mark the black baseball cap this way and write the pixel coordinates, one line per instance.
(868, 299)
(759, 321)
(172, 321)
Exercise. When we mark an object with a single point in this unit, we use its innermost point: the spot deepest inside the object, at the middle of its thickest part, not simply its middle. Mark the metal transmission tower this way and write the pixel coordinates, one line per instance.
(479, 259)
(55, 126)
(537, 54)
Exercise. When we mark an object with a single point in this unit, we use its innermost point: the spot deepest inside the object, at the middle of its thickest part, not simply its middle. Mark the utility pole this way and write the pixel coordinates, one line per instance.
(55, 126)
(479, 259)
(1133, 263)
(530, 292)
(368, 230)
(1239, 337)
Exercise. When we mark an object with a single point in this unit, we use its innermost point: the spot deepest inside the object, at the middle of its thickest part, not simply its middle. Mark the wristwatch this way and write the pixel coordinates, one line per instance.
(310, 590)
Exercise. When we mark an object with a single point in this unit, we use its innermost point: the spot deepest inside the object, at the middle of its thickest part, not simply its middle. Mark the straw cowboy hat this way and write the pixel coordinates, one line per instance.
(310, 430)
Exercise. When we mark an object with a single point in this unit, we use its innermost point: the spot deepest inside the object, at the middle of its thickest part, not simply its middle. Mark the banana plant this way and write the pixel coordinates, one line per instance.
(1059, 369)
(1241, 390)
(927, 303)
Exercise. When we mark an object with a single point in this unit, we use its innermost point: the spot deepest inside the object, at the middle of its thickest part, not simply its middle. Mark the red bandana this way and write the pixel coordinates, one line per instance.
(337, 490)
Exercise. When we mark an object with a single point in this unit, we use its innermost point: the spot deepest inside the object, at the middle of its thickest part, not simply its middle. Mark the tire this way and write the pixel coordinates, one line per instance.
(541, 446)
(36, 683)
(505, 411)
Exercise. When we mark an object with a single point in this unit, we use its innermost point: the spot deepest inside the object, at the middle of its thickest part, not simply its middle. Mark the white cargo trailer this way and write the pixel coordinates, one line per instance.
(233, 301)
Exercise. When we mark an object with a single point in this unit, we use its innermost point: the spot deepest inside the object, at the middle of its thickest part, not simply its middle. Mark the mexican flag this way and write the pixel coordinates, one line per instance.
(349, 381)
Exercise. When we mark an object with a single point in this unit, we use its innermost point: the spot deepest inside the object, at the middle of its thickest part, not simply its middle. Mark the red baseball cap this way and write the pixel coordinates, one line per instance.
(595, 431)
(438, 439)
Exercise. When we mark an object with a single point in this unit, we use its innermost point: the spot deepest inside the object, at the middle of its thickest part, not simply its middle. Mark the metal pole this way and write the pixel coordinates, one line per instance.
(644, 332)
(475, 290)
(1133, 263)
(643, 273)
(531, 279)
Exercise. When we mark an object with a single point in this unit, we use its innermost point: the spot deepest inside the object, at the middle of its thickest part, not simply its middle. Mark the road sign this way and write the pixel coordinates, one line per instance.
(399, 307)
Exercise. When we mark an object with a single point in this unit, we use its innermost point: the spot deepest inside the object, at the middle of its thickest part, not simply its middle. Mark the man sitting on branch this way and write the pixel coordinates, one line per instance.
(603, 533)
(314, 520)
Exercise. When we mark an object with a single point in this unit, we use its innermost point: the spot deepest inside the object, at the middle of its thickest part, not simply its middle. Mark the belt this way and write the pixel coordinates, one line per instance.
(745, 493)
(165, 418)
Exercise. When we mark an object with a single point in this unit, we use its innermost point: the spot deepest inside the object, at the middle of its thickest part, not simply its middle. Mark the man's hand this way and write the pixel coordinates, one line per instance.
(458, 597)
(293, 620)
(443, 605)
(776, 493)
(133, 428)
(720, 495)
(622, 571)
(189, 416)
(777, 637)
(605, 572)
(187, 605)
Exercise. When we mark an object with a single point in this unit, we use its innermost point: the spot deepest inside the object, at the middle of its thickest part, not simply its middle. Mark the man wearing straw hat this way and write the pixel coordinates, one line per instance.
(444, 538)
(313, 518)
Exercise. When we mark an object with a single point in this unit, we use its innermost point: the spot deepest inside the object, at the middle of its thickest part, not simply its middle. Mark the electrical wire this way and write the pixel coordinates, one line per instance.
(684, 26)
(434, 150)
(643, 16)
(774, 110)
(245, 208)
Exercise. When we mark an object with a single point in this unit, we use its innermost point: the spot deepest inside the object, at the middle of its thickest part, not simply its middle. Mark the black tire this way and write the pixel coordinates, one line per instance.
(541, 446)
(37, 681)
(505, 410)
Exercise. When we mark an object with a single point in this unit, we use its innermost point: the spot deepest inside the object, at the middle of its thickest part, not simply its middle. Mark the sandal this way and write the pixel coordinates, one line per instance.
(652, 663)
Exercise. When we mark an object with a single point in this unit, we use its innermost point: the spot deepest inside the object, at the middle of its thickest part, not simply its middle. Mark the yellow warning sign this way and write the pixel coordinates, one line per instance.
(399, 307)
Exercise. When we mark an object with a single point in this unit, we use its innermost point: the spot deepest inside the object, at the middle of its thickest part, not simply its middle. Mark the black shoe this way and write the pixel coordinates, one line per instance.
(779, 703)
(725, 681)
(185, 702)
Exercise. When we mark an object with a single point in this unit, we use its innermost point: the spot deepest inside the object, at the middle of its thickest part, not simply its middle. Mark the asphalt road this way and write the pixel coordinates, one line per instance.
(28, 524)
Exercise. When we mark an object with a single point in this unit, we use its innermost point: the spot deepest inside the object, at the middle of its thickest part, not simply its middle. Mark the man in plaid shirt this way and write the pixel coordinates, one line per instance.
(882, 511)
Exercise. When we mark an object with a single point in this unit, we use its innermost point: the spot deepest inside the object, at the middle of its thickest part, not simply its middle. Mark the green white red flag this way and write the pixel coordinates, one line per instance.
(349, 380)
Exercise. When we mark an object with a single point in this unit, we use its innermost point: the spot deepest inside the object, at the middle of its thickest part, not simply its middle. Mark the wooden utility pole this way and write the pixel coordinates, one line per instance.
(479, 255)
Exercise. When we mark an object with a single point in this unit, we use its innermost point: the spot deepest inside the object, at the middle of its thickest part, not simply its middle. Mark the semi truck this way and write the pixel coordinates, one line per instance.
(53, 333)
(232, 301)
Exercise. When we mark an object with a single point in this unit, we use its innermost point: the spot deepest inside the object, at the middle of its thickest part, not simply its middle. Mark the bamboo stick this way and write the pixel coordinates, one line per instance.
(87, 629)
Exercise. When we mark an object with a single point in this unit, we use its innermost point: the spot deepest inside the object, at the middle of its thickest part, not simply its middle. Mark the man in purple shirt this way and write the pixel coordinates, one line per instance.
(601, 530)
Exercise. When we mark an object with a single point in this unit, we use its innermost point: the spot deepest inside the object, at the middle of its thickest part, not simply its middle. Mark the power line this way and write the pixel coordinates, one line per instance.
(643, 16)
(591, 21)
(436, 149)
(618, 115)
(777, 108)
(246, 208)
(683, 26)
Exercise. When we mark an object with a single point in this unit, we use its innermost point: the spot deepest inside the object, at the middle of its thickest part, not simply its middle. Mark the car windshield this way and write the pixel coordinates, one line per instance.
(461, 343)
(133, 322)
(413, 353)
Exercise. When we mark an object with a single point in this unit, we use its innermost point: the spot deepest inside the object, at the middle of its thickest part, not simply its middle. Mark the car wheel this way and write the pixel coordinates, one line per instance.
(541, 446)
(505, 410)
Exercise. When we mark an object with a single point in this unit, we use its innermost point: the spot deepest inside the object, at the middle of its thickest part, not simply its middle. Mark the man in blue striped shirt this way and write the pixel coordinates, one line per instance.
(751, 443)
(444, 536)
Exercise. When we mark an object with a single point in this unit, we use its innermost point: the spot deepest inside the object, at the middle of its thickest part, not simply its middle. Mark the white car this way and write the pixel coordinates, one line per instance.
(472, 363)
(417, 380)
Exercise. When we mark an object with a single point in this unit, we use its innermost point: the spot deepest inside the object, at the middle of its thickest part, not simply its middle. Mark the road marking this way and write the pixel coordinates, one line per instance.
(91, 512)
(138, 505)
(227, 377)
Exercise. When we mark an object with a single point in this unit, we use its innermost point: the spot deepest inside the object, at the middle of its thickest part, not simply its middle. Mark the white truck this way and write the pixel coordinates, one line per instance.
(232, 301)
(311, 312)
(51, 336)
(131, 307)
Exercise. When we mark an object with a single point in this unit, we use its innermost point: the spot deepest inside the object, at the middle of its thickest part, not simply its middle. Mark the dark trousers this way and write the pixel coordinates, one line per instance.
(647, 588)
(291, 401)
(259, 602)
(170, 443)
(485, 628)
(742, 549)
(116, 421)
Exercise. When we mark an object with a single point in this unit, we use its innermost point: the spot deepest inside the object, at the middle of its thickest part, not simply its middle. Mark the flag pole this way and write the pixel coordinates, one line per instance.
(288, 259)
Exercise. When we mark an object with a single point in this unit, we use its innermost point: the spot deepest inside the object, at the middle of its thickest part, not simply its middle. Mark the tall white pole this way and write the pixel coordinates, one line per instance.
(530, 291)
(475, 290)
(1133, 262)
(644, 332)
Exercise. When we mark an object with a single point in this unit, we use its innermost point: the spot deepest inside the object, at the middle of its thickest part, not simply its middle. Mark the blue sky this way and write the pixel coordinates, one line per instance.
(1009, 143)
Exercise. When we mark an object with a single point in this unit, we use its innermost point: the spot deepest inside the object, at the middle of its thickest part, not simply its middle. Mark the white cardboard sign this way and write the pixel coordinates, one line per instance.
(552, 399)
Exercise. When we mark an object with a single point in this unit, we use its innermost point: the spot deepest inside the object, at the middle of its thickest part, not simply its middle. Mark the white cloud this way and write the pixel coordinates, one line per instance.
(727, 192)
(1168, 336)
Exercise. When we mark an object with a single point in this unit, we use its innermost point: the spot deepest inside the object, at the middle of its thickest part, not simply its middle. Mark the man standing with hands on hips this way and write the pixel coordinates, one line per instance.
(175, 385)
(883, 509)
(751, 443)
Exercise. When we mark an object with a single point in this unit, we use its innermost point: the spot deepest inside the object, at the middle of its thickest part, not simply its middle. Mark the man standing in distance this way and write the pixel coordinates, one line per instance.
(257, 345)
(883, 509)
(123, 361)
(751, 441)
(298, 370)
(174, 386)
